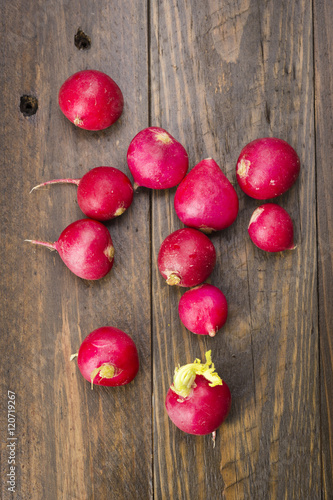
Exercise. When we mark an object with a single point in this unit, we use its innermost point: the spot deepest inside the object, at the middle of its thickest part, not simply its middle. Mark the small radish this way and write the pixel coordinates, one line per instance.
(156, 159)
(203, 309)
(108, 356)
(271, 228)
(85, 246)
(186, 257)
(91, 100)
(103, 192)
(205, 199)
(267, 168)
(198, 400)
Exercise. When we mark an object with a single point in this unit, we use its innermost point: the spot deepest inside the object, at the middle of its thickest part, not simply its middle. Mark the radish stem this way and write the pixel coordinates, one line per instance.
(50, 246)
(57, 181)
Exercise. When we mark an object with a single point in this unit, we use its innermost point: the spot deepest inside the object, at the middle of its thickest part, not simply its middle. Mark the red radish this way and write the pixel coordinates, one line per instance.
(156, 159)
(198, 401)
(186, 257)
(103, 192)
(108, 356)
(91, 100)
(267, 167)
(271, 228)
(205, 199)
(203, 309)
(85, 246)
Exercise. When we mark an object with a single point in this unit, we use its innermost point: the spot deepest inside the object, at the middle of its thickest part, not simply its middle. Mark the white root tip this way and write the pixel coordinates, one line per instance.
(214, 438)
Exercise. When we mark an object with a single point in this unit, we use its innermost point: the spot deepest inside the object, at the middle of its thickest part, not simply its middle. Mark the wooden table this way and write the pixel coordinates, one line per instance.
(216, 75)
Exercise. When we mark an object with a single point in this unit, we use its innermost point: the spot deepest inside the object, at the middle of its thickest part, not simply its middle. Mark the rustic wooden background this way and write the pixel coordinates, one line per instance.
(215, 75)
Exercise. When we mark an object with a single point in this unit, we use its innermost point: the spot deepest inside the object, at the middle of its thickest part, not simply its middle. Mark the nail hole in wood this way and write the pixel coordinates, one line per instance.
(81, 40)
(28, 105)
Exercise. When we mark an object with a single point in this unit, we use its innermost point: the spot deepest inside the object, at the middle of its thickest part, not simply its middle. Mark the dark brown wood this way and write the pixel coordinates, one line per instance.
(323, 56)
(72, 442)
(225, 73)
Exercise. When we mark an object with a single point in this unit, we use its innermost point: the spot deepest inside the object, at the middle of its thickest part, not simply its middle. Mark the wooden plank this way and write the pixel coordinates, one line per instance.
(225, 73)
(323, 44)
(71, 442)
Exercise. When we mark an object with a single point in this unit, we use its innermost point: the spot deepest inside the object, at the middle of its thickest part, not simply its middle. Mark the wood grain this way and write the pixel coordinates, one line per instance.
(73, 443)
(224, 74)
(323, 13)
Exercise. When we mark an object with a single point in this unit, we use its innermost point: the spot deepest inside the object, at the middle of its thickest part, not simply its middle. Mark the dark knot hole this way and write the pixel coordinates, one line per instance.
(81, 40)
(28, 105)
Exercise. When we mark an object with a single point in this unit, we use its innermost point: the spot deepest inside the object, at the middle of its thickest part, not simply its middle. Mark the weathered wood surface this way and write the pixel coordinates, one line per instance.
(73, 443)
(224, 73)
(323, 58)
(215, 75)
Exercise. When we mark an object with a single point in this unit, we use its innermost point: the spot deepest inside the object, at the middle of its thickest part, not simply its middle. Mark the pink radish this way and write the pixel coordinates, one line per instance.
(156, 159)
(85, 246)
(103, 192)
(198, 400)
(186, 257)
(205, 199)
(267, 167)
(108, 356)
(91, 100)
(271, 228)
(203, 309)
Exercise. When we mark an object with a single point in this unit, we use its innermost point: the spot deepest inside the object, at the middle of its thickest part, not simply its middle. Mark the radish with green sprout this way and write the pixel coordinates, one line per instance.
(198, 401)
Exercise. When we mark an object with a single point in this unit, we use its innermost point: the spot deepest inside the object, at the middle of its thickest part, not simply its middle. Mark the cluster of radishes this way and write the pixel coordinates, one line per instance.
(198, 400)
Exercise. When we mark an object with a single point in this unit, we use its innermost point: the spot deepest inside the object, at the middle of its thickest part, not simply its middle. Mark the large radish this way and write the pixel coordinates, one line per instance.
(205, 199)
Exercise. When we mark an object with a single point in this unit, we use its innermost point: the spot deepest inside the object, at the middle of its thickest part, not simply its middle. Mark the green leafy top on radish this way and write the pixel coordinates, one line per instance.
(184, 376)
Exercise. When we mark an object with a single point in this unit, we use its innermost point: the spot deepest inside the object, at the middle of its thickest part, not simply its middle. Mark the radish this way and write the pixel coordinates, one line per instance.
(91, 100)
(156, 159)
(203, 309)
(271, 228)
(267, 168)
(205, 199)
(198, 401)
(85, 246)
(186, 257)
(108, 356)
(103, 192)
